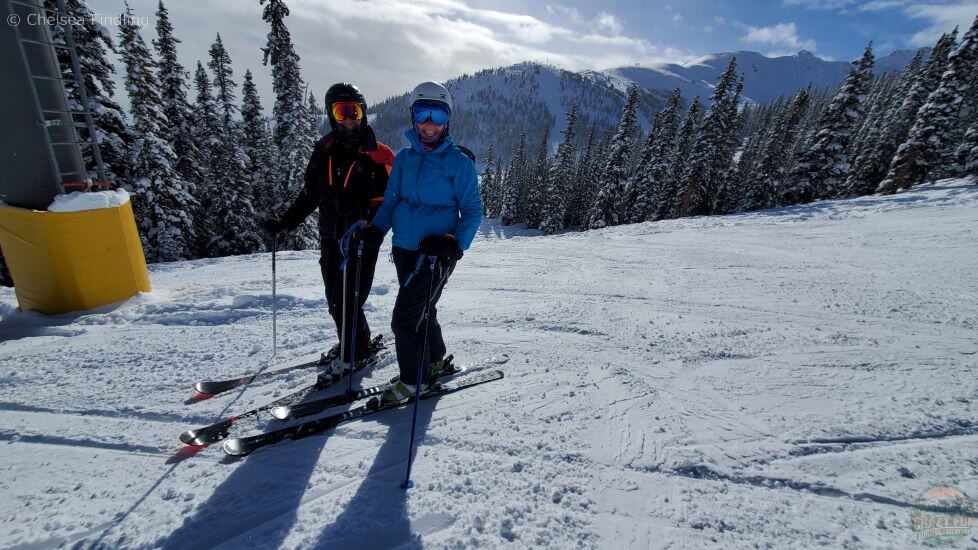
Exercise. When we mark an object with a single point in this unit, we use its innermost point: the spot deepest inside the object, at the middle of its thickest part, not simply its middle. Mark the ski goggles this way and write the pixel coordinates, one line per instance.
(344, 110)
(423, 111)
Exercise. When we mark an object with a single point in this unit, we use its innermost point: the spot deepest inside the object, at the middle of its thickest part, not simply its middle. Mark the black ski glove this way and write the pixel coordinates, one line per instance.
(272, 227)
(372, 235)
(361, 231)
(444, 246)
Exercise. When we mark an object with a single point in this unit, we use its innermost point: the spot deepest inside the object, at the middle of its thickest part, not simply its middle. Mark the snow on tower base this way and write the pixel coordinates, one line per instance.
(79, 201)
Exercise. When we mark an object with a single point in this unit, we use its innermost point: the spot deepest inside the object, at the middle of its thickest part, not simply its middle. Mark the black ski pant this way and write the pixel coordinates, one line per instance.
(408, 321)
(329, 263)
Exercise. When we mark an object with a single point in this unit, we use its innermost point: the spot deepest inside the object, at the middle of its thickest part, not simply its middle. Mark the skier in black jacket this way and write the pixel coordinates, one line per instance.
(346, 178)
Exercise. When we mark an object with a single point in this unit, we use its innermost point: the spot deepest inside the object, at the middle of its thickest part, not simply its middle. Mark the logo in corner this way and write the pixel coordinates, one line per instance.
(943, 515)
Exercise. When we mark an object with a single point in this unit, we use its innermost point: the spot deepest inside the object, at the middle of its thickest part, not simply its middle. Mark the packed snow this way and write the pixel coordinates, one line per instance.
(78, 201)
(785, 378)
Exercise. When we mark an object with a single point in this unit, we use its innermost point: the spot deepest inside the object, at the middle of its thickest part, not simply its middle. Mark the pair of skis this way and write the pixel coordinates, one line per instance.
(292, 406)
(240, 446)
(220, 429)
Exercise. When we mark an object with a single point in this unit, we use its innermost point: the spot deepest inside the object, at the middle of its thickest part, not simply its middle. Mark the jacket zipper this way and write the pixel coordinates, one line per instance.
(417, 193)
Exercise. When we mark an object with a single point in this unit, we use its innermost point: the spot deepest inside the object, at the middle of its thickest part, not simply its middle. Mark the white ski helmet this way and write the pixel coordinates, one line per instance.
(431, 91)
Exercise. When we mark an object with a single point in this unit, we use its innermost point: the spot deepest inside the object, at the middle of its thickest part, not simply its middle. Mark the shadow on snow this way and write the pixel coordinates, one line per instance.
(376, 516)
(260, 500)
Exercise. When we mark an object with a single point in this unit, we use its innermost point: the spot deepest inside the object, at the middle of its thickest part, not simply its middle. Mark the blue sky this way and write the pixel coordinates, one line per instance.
(832, 29)
(387, 46)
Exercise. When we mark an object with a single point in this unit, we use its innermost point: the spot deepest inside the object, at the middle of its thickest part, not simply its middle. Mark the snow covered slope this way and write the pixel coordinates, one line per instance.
(787, 378)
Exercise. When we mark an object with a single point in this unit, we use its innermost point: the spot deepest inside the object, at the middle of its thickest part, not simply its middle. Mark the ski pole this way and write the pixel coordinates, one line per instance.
(356, 311)
(417, 383)
(343, 323)
(274, 301)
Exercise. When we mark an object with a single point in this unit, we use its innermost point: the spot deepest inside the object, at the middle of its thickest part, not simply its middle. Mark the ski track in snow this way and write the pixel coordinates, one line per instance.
(787, 378)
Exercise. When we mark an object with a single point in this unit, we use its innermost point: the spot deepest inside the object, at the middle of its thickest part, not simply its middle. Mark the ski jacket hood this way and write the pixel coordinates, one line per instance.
(431, 193)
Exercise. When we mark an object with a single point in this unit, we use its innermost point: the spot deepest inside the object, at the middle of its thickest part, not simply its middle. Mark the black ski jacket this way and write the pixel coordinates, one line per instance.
(346, 183)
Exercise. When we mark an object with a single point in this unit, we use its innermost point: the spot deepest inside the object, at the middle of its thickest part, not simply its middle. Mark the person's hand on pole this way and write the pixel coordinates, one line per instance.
(445, 247)
(360, 231)
(272, 227)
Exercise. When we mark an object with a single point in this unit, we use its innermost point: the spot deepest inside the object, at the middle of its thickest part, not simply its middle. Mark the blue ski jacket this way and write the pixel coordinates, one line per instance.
(430, 193)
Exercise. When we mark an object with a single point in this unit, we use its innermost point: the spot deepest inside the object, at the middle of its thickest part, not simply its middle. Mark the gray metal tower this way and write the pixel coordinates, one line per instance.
(40, 146)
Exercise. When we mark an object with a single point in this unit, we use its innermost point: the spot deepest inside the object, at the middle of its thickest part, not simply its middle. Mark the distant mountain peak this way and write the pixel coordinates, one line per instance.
(538, 94)
(765, 78)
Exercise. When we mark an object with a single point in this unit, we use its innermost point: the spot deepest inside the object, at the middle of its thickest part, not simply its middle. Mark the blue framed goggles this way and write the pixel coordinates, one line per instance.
(423, 111)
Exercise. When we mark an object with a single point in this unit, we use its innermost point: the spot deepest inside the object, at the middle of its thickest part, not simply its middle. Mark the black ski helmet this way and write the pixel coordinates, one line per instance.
(344, 91)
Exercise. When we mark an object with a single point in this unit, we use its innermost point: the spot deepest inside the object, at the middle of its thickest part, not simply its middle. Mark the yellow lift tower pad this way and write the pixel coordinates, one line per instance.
(70, 261)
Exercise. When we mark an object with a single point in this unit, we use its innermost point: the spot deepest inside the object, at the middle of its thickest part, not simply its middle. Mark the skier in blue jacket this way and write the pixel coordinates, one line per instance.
(432, 204)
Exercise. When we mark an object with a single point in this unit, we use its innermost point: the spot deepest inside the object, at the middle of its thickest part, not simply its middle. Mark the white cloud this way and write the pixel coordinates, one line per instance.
(847, 6)
(880, 5)
(609, 22)
(603, 21)
(388, 46)
(782, 34)
(942, 18)
(821, 4)
(569, 12)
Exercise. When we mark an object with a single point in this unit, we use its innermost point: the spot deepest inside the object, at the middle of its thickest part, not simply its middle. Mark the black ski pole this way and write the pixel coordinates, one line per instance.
(356, 311)
(343, 323)
(274, 301)
(417, 383)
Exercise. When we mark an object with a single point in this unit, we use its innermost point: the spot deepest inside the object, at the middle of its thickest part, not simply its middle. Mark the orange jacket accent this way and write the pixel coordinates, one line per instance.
(382, 155)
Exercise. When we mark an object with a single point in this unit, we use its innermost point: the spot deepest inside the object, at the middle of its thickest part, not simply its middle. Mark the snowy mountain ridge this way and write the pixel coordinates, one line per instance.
(493, 106)
(765, 78)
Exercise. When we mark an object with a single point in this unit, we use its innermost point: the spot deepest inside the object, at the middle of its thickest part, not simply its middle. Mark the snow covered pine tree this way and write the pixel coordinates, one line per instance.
(936, 121)
(290, 114)
(607, 208)
(161, 201)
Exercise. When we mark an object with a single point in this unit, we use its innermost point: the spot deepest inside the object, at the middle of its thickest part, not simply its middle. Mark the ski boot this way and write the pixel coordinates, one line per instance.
(441, 367)
(336, 368)
(326, 359)
(398, 392)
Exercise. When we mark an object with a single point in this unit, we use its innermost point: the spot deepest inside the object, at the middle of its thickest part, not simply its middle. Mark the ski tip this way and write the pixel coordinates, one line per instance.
(282, 413)
(215, 387)
(234, 447)
(212, 388)
(195, 441)
(187, 437)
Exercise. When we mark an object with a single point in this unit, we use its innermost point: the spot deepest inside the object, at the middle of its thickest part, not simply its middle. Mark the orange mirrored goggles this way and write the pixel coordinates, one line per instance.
(343, 110)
